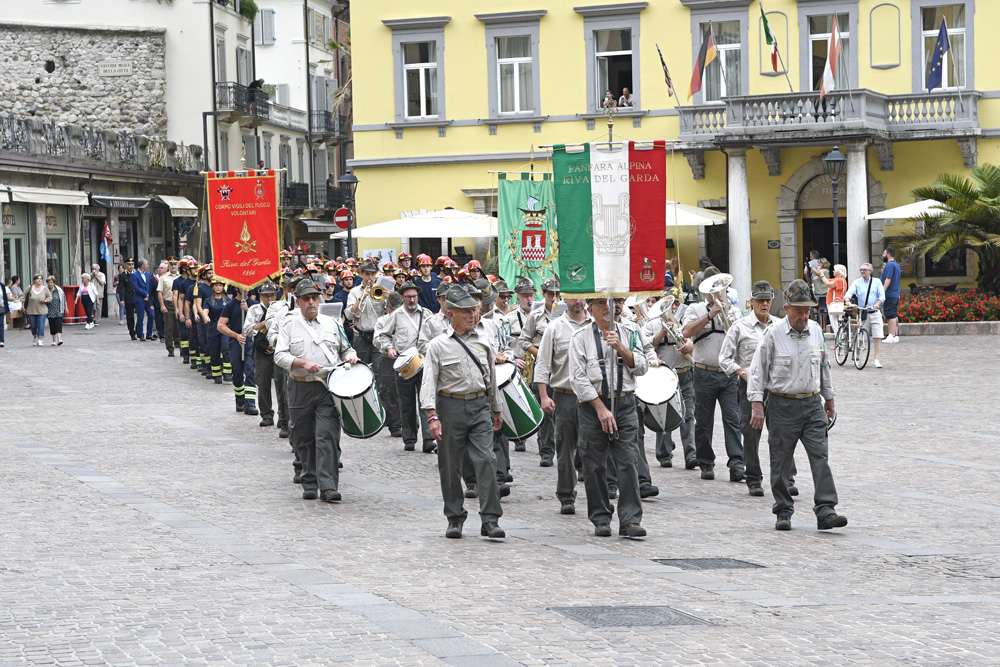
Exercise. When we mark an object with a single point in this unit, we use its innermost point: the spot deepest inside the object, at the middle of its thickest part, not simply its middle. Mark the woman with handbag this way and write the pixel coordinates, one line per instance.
(57, 308)
(37, 308)
(835, 290)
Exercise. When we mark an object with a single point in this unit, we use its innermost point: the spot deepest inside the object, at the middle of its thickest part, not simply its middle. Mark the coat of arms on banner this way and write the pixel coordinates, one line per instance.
(527, 236)
(538, 244)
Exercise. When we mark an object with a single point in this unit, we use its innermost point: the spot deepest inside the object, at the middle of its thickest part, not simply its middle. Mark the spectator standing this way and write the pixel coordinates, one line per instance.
(891, 274)
(87, 295)
(57, 309)
(143, 307)
(820, 274)
(835, 289)
(100, 283)
(4, 310)
(154, 301)
(870, 294)
(119, 286)
(37, 308)
(129, 296)
(16, 297)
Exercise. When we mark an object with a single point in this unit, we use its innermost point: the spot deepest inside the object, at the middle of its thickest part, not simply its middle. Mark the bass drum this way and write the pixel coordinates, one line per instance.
(354, 391)
(662, 402)
(521, 414)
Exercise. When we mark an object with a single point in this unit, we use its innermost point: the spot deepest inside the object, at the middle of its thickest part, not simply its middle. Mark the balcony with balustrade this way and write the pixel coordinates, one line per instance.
(30, 141)
(238, 103)
(329, 127)
(772, 121)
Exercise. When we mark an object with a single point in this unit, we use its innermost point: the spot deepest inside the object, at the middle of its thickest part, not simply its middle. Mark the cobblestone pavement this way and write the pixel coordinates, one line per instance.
(142, 520)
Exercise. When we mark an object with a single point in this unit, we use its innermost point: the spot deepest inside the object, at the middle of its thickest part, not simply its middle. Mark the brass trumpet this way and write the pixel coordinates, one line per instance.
(377, 293)
(665, 311)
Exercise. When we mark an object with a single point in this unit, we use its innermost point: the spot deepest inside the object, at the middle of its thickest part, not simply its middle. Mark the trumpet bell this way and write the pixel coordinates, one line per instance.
(717, 283)
(377, 293)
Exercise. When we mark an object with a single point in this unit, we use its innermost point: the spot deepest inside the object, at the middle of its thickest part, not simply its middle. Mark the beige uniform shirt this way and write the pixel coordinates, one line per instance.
(533, 329)
(584, 367)
(666, 351)
(368, 314)
(492, 331)
(295, 342)
(515, 322)
(274, 318)
(552, 364)
(449, 368)
(789, 362)
(706, 350)
(254, 317)
(434, 327)
(399, 329)
(166, 286)
(741, 342)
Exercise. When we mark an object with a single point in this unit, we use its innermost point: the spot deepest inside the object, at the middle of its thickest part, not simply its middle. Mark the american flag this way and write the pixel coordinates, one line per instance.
(666, 73)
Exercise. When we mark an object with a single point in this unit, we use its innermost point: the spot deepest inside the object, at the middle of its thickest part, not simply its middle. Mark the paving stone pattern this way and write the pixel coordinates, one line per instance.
(144, 521)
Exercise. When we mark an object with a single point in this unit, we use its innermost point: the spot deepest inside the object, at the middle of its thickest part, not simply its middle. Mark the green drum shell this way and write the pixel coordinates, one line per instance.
(372, 413)
(521, 418)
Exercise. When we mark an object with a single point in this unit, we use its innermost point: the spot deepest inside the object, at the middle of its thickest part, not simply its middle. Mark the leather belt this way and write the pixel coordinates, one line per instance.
(714, 369)
(682, 370)
(463, 397)
(386, 356)
(562, 391)
(796, 396)
(307, 378)
(623, 394)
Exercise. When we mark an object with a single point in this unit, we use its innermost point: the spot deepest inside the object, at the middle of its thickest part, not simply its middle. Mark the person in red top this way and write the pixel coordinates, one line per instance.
(835, 289)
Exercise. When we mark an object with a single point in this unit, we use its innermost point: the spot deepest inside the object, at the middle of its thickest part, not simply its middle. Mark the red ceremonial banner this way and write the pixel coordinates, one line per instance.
(243, 224)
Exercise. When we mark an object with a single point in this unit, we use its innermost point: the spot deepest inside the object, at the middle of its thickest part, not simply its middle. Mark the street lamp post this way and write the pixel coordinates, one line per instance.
(834, 163)
(349, 183)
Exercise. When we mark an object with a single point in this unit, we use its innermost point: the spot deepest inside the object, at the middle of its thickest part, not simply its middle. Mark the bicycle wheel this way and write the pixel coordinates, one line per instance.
(862, 347)
(842, 342)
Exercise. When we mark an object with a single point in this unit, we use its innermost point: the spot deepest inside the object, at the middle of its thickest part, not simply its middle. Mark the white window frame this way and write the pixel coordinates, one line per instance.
(611, 17)
(845, 37)
(423, 69)
(848, 59)
(948, 69)
(603, 87)
(409, 31)
(512, 24)
(700, 15)
(516, 62)
(724, 52)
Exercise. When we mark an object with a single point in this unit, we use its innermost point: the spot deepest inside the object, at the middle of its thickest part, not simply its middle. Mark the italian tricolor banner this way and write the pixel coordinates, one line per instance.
(611, 204)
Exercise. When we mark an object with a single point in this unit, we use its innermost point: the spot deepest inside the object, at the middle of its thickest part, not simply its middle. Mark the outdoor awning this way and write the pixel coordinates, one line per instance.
(4, 197)
(49, 196)
(120, 201)
(447, 223)
(687, 215)
(914, 210)
(320, 226)
(180, 207)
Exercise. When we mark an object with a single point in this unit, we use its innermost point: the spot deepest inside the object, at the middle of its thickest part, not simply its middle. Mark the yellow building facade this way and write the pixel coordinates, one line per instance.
(447, 93)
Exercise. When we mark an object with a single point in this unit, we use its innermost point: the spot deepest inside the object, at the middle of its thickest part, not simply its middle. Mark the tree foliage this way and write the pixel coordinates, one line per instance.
(971, 221)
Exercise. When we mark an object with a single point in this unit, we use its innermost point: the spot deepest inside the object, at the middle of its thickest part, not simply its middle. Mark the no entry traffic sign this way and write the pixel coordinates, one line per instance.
(343, 217)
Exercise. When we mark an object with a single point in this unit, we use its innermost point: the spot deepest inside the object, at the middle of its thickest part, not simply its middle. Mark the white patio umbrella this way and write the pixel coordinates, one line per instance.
(916, 209)
(447, 223)
(689, 216)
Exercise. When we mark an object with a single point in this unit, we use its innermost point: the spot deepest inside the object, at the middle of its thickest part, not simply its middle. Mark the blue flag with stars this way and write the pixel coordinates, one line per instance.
(936, 72)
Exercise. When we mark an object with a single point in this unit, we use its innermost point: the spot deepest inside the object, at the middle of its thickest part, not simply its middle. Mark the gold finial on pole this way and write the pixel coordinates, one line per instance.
(610, 112)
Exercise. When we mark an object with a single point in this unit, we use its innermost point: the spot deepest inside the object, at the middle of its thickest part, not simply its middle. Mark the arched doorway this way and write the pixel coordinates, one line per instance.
(799, 212)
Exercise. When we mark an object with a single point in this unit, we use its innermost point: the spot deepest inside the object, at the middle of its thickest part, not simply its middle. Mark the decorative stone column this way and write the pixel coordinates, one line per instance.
(739, 222)
(856, 199)
(37, 238)
(74, 225)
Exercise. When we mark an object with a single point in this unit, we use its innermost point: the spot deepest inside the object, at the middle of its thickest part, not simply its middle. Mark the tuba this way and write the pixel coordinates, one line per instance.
(664, 309)
(717, 286)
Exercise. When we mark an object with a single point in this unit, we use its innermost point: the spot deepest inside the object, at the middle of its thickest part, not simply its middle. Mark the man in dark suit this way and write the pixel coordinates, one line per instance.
(143, 306)
(129, 297)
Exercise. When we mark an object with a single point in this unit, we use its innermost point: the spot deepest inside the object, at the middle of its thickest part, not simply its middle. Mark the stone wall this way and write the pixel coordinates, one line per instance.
(107, 78)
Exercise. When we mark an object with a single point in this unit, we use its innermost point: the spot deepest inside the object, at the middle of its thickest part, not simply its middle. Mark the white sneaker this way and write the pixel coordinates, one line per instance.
(877, 364)
(889, 340)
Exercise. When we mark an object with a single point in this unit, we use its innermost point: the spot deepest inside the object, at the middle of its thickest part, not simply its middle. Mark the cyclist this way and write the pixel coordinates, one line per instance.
(869, 293)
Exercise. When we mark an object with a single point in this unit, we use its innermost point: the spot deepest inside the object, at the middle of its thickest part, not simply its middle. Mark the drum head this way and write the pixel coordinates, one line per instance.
(657, 386)
(505, 372)
(351, 381)
(403, 359)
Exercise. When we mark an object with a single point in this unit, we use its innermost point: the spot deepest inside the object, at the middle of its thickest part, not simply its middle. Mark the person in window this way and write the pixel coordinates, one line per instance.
(626, 99)
(609, 100)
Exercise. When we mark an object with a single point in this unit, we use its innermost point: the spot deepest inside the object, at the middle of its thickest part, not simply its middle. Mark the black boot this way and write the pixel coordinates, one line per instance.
(250, 407)
(240, 404)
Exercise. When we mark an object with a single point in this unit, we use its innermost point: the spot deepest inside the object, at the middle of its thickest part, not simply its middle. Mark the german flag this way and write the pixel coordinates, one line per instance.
(706, 54)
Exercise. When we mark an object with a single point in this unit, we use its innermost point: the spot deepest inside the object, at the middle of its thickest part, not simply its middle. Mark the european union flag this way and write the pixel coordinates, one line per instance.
(936, 71)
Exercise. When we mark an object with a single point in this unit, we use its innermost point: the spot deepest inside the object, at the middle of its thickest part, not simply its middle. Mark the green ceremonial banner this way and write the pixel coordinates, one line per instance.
(527, 242)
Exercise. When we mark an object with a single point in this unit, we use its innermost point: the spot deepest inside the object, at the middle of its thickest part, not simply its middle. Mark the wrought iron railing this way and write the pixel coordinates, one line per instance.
(297, 195)
(327, 122)
(232, 96)
(15, 134)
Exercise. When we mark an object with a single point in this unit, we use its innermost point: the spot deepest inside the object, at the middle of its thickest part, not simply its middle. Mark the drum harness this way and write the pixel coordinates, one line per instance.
(321, 343)
(706, 334)
(420, 325)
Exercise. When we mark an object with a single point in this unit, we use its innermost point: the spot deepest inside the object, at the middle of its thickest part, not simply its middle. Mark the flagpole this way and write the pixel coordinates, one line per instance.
(777, 51)
(718, 56)
(850, 91)
(954, 68)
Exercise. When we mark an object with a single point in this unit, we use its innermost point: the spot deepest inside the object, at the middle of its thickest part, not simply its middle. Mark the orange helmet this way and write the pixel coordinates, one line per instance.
(424, 259)
(442, 260)
(474, 264)
(462, 275)
(285, 253)
(346, 273)
(405, 255)
(388, 266)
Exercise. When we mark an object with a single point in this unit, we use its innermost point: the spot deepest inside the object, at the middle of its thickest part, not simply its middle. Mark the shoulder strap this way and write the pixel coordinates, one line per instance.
(870, 281)
(475, 360)
(600, 361)
(705, 334)
(316, 339)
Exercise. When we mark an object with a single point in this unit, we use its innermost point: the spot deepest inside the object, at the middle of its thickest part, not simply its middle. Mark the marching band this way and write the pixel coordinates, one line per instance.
(588, 377)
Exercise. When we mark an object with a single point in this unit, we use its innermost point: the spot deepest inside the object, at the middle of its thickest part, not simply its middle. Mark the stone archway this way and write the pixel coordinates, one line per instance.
(788, 215)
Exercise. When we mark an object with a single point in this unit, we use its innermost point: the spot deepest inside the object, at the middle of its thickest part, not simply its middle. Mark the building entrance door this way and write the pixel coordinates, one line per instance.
(817, 234)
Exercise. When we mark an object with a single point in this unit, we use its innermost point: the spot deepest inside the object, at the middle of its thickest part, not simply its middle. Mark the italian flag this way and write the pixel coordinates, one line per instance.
(611, 211)
(769, 38)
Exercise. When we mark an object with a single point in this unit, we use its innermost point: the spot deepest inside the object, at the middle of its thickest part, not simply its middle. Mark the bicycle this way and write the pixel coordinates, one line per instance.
(852, 338)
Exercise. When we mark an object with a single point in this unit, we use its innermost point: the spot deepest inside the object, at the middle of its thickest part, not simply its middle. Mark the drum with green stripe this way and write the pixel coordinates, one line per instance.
(520, 412)
(662, 402)
(358, 403)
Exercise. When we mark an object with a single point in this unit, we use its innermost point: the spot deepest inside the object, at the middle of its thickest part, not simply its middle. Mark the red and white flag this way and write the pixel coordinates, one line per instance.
(832, 55)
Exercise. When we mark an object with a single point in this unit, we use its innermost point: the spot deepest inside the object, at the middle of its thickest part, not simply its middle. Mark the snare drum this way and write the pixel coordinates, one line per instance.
(408, 364)
(354, 391)
(662, 402)
(521, 414)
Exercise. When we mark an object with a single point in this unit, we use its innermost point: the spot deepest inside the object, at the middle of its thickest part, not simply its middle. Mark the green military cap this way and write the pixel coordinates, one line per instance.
(395, 300)
(525, 286)
(408, 285)
(762, 290)
(458, 297)
(550, 285)
(268, 288)
(305, 287)
(369, 265)
(488, 291)
(798, 294)
(710, 271)
(501, 287)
